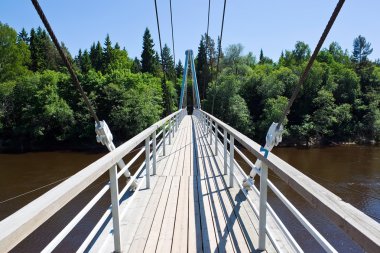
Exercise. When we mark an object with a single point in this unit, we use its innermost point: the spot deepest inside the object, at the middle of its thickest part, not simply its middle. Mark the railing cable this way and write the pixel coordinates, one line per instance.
(65, 60)
(311, 61)
(219, 53)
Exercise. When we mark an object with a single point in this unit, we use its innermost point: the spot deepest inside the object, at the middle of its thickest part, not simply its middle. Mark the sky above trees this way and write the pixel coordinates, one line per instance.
(269, 25)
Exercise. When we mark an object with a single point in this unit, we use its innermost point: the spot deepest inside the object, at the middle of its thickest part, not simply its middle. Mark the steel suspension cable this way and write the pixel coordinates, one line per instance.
(219, 52)
(311, 61)
(208, 25)
(65, 60)
(162, 60)
(171, 22)
(159, 38)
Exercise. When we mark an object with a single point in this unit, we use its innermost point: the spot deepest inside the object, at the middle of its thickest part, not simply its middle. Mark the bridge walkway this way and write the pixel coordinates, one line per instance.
(189, 207)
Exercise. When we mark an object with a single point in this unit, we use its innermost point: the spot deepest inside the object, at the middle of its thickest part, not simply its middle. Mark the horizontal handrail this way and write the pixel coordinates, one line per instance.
(19, 225)
(360, 227)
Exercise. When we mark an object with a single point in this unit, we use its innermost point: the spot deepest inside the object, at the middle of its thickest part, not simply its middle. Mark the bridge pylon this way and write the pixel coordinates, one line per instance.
(196, 99)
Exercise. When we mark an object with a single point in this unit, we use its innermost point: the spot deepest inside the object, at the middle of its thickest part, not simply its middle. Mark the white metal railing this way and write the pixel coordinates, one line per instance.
(19, 225)
(361, 228)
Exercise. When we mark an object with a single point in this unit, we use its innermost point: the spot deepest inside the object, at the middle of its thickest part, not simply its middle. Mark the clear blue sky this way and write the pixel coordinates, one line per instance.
(272, 25)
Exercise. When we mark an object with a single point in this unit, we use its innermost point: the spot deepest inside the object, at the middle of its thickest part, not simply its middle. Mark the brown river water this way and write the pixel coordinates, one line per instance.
(351, 172)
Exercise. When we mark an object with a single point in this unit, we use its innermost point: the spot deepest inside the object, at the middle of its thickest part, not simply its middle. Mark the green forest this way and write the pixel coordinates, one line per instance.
(41, 108)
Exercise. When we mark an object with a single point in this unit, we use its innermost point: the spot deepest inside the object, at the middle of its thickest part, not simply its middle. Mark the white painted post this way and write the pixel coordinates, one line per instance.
(147, 162)
(216, 139)
(207, 126)
(210, 131)
(232, 149)
(204, 122)
(225, 150)
(115, 208)
(173, 127)
(154, 153)
(263, 206)
(163, 141)
(170, 133)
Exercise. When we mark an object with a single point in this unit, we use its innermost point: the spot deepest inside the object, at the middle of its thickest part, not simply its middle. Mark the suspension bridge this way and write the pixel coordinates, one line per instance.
(190, 194)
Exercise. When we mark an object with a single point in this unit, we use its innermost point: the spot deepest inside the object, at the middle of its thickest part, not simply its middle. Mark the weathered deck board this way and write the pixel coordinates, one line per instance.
(189, 207)
(220, 188)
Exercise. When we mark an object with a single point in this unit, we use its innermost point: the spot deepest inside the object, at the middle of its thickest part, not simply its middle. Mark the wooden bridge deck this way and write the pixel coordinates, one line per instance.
(189, 207)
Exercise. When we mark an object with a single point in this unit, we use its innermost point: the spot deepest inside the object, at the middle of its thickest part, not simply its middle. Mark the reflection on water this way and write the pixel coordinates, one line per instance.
(351, 172)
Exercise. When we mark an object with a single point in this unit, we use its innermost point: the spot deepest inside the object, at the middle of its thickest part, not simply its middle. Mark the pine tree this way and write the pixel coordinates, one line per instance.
(362, 49)
(107, 53)
(85, 63)
(136, 66)
(23, 36)
(168, 64)
(96, 56)
(179, 69)
(148, 54)
(202, 68)
(261, 58)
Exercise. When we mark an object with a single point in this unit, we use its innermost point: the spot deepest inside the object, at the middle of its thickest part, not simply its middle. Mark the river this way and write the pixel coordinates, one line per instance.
(351, 172)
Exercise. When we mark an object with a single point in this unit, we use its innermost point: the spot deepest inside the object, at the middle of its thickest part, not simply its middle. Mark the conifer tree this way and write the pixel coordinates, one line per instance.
(179, 69)
(362, 49)
(96, 56)
(148, 54)
(136, 66)
(168, 64)
(202, 68)
(85, 63)
(23, 36)
(107, 53)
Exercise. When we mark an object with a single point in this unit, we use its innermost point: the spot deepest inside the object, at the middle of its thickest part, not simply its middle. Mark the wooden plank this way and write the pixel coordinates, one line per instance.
(186, 171)
(154, 232)
(225, 219)
(166, 234)
(195, 232)
(181, 227)
(181, 150)
(140, 238)
(247, 229)
(173, 154)
(210, 243)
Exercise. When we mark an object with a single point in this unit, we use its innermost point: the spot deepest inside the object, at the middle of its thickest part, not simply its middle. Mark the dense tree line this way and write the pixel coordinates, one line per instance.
(40, 107)
(339, 102)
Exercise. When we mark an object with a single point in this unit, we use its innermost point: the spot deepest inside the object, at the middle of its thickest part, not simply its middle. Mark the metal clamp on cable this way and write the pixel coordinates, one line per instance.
(273, 138)
(105, 137)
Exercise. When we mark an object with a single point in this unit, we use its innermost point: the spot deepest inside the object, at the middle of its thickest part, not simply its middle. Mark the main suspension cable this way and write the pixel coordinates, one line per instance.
(219, 52)
(171, 22)
(208, 25)
(65, 60)
(159, 38)
(311, 61)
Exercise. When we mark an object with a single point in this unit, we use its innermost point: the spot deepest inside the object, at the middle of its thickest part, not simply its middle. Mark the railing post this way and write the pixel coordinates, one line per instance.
(232, 149)
(115, 208)
(173, 127)
(216, 139)
(163, 141)
(263, 206)
(147, 161)
(204, 122)
(170, 133)
(154, 153)
(207, 126)
(210, 131)
(225, 150)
